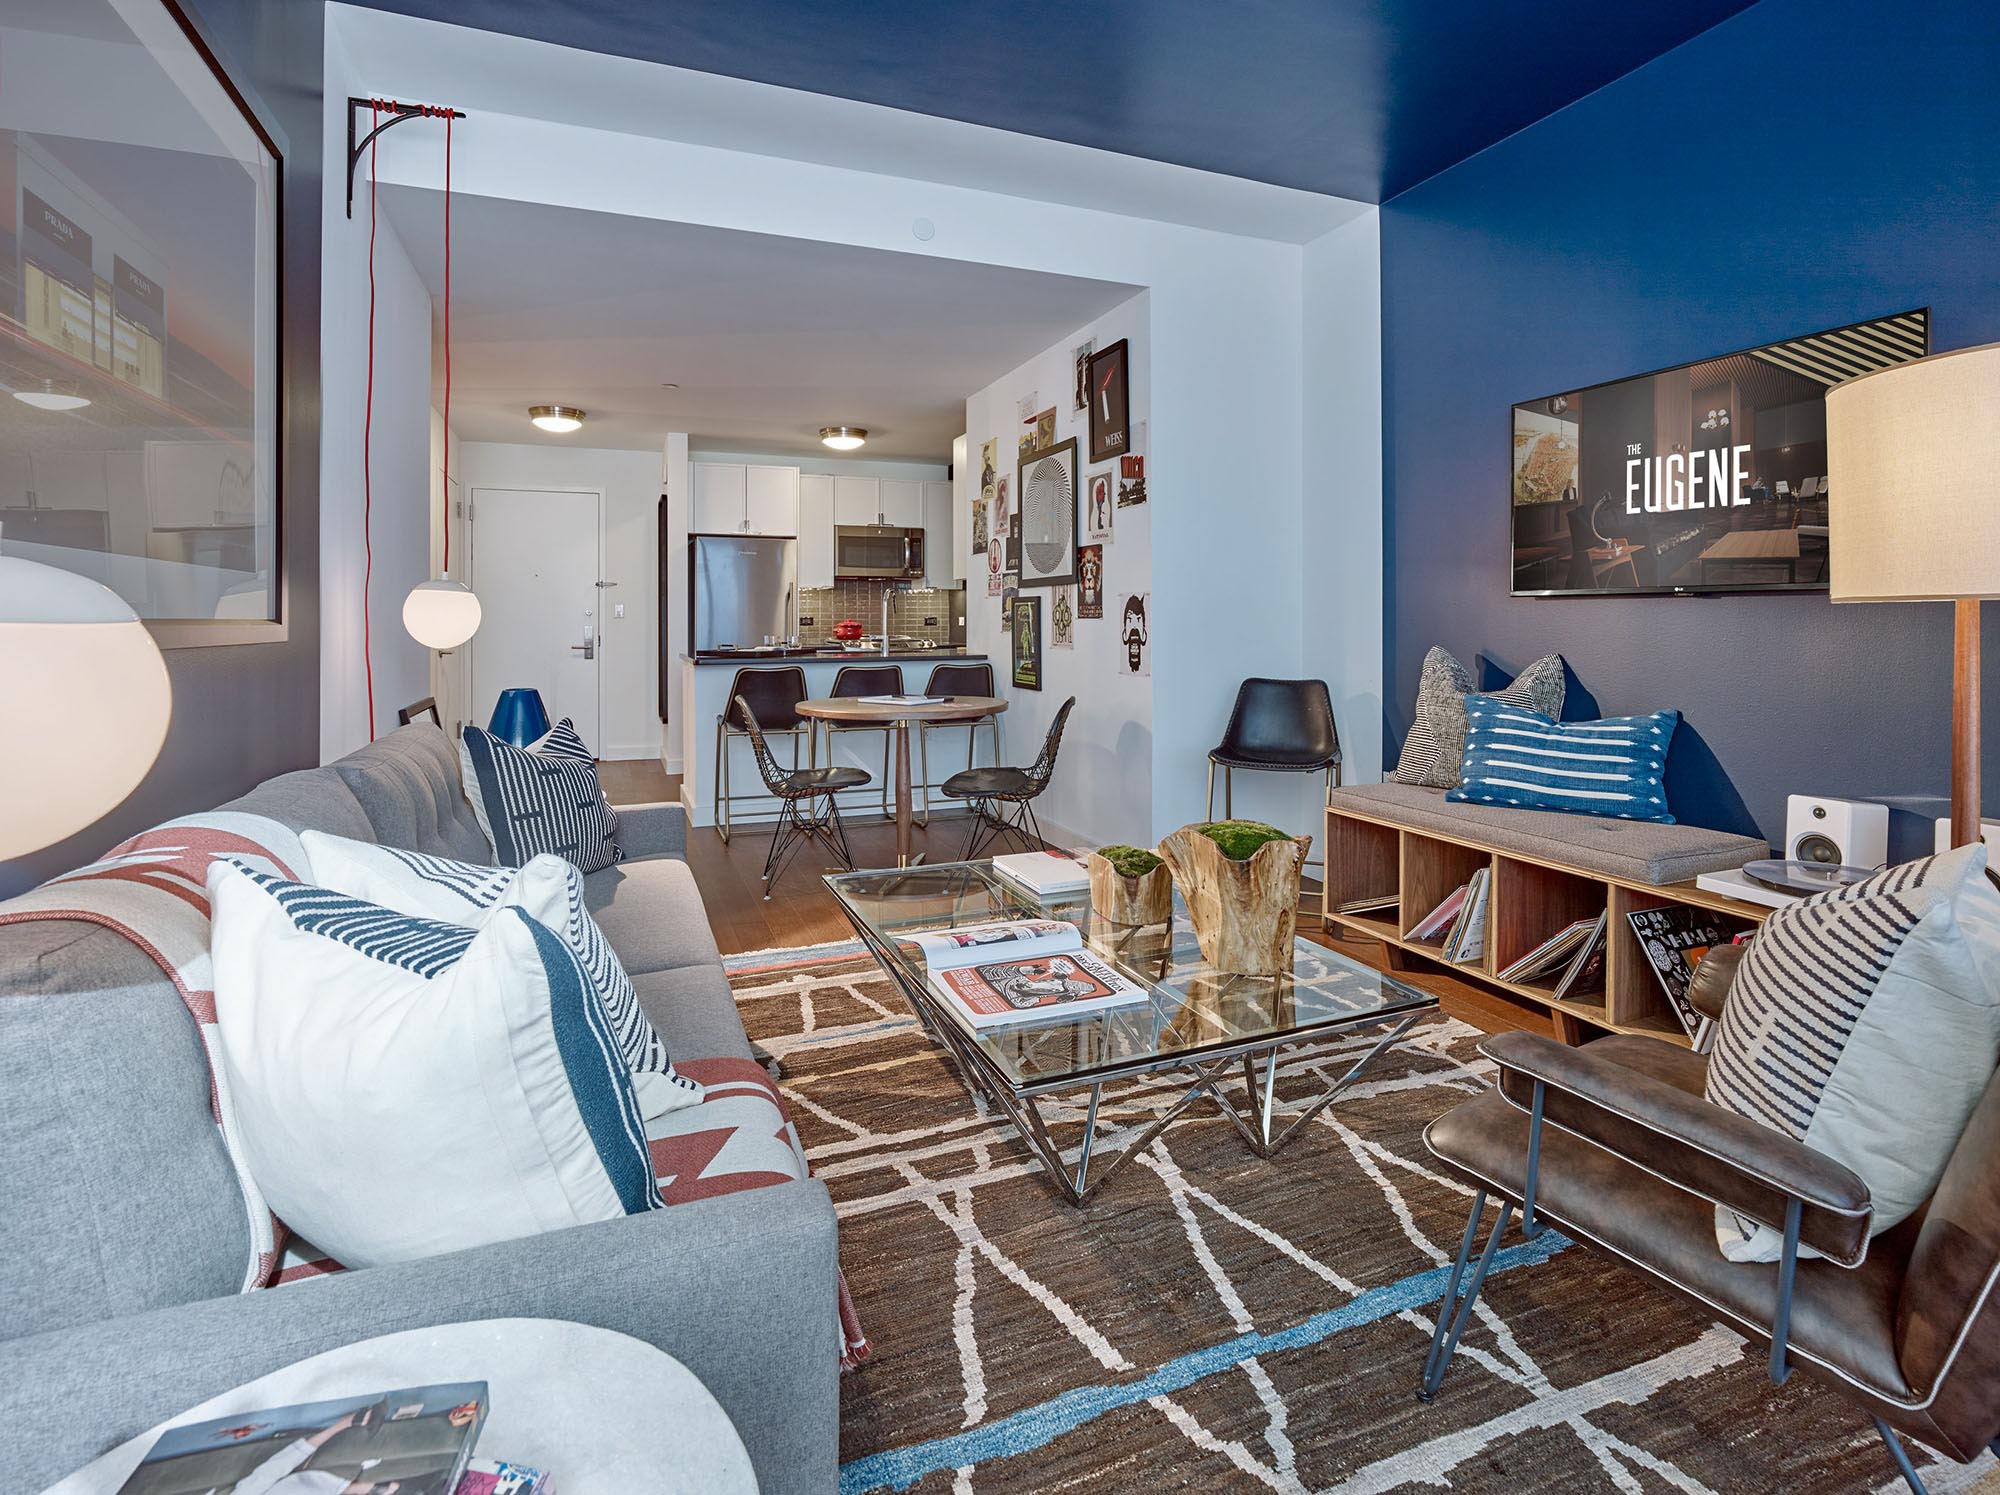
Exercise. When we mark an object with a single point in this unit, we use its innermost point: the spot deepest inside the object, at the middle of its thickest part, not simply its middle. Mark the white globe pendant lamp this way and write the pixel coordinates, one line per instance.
(87, 701)
(441, 614)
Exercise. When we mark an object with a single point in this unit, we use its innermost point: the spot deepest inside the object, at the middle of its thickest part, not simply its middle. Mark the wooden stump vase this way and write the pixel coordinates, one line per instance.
(1245, 914)
(1129, 901)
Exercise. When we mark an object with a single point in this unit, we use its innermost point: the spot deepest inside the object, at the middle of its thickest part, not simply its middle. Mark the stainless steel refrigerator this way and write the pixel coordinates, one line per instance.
(742, 590)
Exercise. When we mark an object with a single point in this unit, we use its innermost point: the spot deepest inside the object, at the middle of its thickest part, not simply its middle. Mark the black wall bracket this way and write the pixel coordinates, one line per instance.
(397, 113)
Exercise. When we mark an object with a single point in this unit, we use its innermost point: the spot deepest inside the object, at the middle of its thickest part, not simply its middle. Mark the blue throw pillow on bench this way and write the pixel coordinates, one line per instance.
(1615, 767)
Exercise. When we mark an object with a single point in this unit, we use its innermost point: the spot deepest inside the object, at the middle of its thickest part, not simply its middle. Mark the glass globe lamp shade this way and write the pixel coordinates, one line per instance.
(441, 614)
(87, 701)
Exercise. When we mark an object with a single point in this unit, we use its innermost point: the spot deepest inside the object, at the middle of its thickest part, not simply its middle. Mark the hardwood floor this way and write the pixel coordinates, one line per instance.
(800, 911)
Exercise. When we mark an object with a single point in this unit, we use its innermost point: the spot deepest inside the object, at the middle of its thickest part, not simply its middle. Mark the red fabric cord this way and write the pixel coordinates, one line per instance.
(446, 496)
(367, 446)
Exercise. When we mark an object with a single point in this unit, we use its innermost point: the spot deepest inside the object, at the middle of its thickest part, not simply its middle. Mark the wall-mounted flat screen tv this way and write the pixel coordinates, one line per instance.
(1710, 477)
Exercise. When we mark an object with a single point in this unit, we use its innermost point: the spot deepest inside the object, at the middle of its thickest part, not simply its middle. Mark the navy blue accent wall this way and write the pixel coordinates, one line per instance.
(245, 713)
(1805, 164)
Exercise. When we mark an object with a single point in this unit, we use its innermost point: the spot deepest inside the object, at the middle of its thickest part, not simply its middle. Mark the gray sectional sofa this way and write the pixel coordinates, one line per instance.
(122, 1235)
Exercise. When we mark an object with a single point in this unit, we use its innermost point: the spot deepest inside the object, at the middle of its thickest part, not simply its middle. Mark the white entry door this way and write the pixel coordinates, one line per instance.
(536, 573)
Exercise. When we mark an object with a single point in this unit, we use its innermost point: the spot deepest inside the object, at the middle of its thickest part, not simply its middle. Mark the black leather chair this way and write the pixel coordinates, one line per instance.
(1277, 726)
(774, 694)
(1003, 799)
(954, 680)
(850, 681)
(801, 817)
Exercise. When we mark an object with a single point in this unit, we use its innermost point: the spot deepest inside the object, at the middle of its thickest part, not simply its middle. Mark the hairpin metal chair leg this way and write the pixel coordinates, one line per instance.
(923, 773)
(721, 811)
(1451, 1324)
(1902, 1457)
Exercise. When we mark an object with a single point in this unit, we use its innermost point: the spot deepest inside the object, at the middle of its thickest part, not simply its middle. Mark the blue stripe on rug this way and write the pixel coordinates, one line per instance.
(1035, 1427)
(778, 957)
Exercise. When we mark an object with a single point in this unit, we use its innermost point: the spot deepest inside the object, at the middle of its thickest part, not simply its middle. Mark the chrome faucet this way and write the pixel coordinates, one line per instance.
(887, 592)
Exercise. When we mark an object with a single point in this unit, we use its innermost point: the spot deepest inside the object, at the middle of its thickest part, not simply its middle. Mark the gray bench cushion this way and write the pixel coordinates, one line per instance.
(1637, 851)
(119, 1196)
(652, 914)
(408, 784)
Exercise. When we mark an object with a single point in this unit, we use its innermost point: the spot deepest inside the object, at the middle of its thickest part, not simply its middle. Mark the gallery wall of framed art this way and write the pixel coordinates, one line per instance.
(1061, 450)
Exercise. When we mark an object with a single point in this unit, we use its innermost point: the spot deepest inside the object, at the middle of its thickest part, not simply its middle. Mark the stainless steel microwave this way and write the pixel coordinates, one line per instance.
(882, 552)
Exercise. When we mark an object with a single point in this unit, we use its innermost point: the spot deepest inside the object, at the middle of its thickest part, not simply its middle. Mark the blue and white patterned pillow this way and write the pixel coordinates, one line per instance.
(407, 1087)
(551, 891)
(543, 797)
(1615, 768)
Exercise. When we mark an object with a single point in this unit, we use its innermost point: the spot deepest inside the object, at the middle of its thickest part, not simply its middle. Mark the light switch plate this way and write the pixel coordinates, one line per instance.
(617, 609)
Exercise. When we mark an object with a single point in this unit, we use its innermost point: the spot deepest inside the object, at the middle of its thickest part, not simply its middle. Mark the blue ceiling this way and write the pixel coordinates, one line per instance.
(1360, 98)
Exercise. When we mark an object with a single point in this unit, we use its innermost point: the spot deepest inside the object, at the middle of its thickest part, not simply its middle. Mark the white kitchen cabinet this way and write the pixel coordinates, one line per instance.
(903, 503)
(857, 500)
(731, 498)
(941, 564)
(718, 505)
(771, 501)
(815, 553)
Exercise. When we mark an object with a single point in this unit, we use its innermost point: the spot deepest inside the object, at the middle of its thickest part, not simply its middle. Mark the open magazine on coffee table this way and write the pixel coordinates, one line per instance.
(1018, 971)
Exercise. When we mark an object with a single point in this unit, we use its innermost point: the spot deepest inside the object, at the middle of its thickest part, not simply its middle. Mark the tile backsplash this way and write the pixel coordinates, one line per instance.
(862, 601)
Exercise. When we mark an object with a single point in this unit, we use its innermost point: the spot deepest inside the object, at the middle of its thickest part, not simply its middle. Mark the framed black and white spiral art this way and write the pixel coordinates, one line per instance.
(1046, 503)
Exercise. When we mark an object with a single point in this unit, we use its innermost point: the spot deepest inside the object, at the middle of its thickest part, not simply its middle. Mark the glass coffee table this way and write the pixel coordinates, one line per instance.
(1199, 1024)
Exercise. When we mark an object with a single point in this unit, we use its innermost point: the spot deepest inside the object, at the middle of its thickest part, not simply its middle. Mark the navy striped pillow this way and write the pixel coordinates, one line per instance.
(540, 799)
(1615, 768)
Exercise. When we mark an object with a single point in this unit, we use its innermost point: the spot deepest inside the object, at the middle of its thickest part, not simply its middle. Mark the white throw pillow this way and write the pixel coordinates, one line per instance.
(1865, 1022)
(408, 1087)
(550, 891)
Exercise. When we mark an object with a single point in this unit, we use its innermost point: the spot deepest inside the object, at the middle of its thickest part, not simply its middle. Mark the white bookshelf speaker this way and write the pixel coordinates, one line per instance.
(1846, 832)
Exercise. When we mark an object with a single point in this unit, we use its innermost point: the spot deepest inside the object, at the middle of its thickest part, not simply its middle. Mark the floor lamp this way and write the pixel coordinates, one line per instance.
(1913, 471)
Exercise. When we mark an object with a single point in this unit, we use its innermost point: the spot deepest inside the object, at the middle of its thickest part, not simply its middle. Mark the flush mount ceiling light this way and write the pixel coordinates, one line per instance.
(48, 397)
(559, 419)
(843, 438)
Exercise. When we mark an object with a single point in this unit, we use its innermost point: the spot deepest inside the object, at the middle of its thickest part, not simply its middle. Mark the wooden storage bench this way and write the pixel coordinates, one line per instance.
(1547, 870)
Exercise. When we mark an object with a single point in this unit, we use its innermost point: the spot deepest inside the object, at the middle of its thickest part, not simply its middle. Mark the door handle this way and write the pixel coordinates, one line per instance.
(588, 648)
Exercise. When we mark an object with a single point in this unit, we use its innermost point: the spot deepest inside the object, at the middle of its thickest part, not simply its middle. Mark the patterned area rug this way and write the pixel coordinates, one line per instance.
(1210, 1321)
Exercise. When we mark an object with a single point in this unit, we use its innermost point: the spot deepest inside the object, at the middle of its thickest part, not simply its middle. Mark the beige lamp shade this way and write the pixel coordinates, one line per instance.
(87, 703)
(1913, 473)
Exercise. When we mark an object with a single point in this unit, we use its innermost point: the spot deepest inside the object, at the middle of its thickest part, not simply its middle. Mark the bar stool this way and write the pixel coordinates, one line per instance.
(774, 694)
(850, 681)
(955, 680)
(1278, 726)
(800, 819)
(1003, 799)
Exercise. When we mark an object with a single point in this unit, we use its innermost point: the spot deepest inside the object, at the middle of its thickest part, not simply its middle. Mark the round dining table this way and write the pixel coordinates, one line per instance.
(860, 711)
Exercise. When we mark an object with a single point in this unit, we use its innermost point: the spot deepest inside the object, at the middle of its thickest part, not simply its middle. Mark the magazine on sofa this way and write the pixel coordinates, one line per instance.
(1025, 970)
(419, 1437)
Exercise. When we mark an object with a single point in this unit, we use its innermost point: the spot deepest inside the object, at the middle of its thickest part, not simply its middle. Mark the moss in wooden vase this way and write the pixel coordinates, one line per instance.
(1130, 861)
(1239, 839)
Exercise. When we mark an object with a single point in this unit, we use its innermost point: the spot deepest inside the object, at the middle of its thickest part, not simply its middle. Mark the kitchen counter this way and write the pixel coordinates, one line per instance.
(704, 692)
(753, 657)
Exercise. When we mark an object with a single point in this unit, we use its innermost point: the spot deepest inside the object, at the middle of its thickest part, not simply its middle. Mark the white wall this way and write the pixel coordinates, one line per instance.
(1341, 388)
(451, 675)
(1103, 788)
(628, 653)
(1226, 460)
(674, 460)
(400, 521)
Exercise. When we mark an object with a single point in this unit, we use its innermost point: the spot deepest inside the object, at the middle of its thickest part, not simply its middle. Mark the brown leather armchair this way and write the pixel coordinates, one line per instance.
(1613, 1144)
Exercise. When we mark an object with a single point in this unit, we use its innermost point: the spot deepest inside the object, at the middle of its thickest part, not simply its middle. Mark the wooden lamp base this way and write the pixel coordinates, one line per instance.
(1965, 722)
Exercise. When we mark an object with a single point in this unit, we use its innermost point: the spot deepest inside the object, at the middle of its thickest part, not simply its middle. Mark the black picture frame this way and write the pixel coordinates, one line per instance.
(1110, 379)
(256, 610)
(1024, 626)
(1053, 472)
